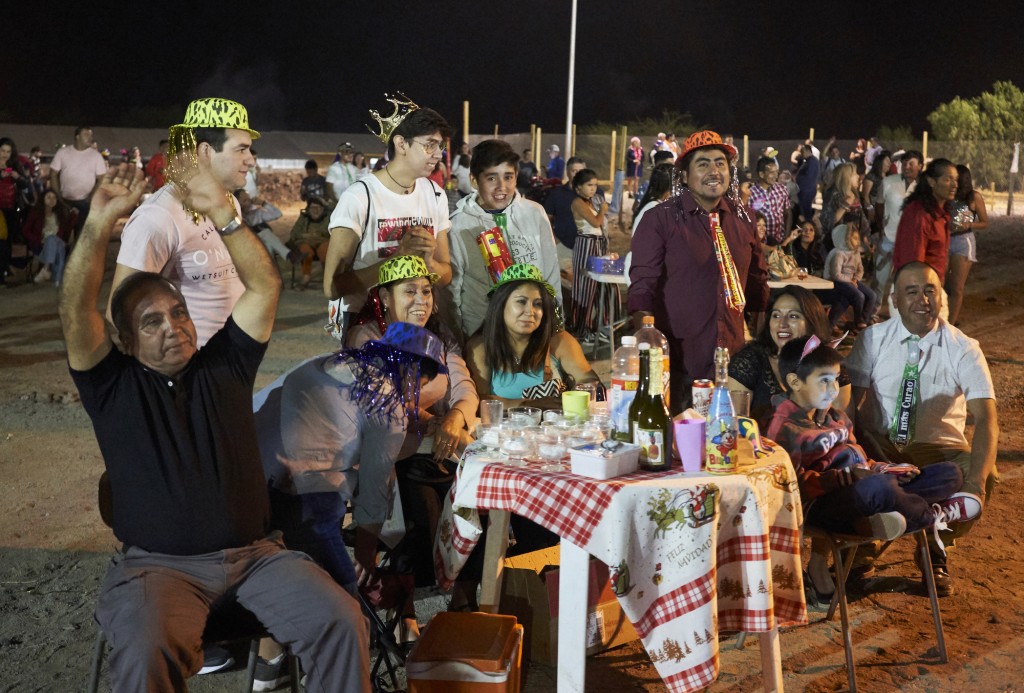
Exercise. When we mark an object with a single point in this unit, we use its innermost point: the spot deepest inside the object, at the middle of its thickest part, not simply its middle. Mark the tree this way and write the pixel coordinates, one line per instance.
(670, 120)
(980, 131)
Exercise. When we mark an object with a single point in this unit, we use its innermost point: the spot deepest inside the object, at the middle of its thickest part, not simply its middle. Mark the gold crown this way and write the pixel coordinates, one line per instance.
(403, 107)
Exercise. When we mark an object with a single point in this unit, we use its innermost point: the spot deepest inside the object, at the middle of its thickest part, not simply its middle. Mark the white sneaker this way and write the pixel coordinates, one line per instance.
(42, 275)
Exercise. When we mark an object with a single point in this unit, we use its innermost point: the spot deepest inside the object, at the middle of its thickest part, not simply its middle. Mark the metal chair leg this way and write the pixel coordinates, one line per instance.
(840, 596)
(925, 561)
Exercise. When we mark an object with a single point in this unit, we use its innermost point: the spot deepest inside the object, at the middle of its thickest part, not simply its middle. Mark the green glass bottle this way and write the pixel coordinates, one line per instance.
(649, 422)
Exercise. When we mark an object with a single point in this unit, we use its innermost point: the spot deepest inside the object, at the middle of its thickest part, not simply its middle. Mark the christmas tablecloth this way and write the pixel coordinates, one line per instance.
(690, 554)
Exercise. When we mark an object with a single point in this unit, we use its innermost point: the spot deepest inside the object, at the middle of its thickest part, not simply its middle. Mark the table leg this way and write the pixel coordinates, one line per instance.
(771, 660)
(572, 617)
(494, 560)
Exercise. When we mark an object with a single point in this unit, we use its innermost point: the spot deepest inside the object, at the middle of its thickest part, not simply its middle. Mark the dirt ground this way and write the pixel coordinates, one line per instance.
(54, 547)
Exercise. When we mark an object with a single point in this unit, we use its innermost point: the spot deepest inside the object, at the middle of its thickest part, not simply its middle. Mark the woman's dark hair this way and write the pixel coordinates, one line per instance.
(876, 165)
(810, 306)
(491, 153)
(61, 209)
(422, 121)
(583, 176)
(14, 161)
(660, 183)
(497, 346)
(923, 189)
(759, 216)
(965, 185)
(790, 361)
(356, 156)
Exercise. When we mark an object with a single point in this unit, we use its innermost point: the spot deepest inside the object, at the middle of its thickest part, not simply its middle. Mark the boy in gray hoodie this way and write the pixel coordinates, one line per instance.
(493, 171)
(846, 270)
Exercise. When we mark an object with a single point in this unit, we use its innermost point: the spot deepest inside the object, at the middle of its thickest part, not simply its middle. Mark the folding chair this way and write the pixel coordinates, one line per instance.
(843, 548)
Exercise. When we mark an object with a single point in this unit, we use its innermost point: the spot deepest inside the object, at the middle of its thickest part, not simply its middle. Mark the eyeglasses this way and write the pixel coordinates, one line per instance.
(431, 146)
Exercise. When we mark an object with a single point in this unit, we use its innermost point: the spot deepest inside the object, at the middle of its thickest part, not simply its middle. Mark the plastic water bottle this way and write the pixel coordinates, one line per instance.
(625, 377)
(653, 336)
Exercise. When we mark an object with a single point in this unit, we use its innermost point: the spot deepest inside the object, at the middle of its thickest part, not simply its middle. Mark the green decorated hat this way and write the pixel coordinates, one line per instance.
(522, 272)
(404, 267)
(217, 113)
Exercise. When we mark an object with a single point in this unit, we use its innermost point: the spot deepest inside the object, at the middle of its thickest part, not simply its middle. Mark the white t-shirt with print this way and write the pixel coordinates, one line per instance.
(161, 237)
(384, 215)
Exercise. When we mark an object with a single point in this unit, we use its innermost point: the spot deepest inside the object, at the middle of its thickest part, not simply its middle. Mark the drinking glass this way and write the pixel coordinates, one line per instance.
(551, 450)
(801, 273)
(740, 402)
(529, 416)
(491, 411)
(590, 389)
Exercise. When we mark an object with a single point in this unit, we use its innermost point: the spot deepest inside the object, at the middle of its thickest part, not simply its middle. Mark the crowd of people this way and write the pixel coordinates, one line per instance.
(238, 491)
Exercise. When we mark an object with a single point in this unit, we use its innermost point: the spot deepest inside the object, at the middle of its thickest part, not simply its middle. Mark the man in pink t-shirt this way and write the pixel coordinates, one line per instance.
(76, 171)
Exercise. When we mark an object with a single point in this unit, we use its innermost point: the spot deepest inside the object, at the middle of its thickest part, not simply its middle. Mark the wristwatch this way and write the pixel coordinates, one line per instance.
(231, 226)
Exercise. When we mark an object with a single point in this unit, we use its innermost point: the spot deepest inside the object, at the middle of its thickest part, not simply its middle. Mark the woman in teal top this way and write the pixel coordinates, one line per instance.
(518, 356)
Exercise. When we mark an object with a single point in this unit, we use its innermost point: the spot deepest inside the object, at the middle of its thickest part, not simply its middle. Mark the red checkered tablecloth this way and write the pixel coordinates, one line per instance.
(690, 554)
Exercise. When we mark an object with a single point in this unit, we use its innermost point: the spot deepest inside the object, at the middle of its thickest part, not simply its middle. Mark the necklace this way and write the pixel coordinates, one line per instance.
(406, 189)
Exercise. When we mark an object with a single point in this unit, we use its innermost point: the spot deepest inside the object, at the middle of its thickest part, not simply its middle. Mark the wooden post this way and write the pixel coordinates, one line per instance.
(542, 167)
(924, 146)
(495, 130)
(621, 154)
(746, 151)
(812, 135)
(465, 121)
(1014, 166)
(611, 160)
(533, 142)
(572, 150)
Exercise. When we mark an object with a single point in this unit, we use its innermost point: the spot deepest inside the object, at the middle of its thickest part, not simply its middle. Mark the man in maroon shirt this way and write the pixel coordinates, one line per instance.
(676, 274)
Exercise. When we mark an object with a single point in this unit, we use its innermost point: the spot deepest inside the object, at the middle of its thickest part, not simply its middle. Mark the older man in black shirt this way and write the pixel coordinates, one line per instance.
(174, 424)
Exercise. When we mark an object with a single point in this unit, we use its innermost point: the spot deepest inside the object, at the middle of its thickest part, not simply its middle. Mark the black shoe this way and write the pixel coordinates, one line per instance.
(216, 659)
(271, 675)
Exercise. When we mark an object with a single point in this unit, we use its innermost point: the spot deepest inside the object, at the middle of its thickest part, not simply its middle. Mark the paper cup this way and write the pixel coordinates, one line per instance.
(576, 403)
(690, 443)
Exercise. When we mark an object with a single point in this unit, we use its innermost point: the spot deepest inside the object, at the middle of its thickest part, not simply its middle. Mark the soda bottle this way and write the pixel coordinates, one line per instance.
(722, 429)
(648, 415)
(653, 336)
(625, 379)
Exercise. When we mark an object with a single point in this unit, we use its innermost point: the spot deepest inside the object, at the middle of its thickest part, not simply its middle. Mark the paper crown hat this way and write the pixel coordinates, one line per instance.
(403, 107)
(217, 113)
(522, 272)
(706, 138)
(404, 267)
(413, 339)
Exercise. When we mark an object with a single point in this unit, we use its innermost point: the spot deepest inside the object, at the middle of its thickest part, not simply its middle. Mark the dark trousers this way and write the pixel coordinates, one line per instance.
(882, 493)
(859, 295)
(311, 523)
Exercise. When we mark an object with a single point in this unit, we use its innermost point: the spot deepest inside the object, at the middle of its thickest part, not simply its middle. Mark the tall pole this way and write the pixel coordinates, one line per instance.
(572, 70)
(465, 121)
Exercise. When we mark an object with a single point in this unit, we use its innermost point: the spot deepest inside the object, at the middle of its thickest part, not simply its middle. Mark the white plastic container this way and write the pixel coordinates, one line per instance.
(598, 462)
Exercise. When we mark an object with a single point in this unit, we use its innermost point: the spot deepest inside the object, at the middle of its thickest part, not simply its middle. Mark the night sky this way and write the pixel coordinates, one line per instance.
(768, 69)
